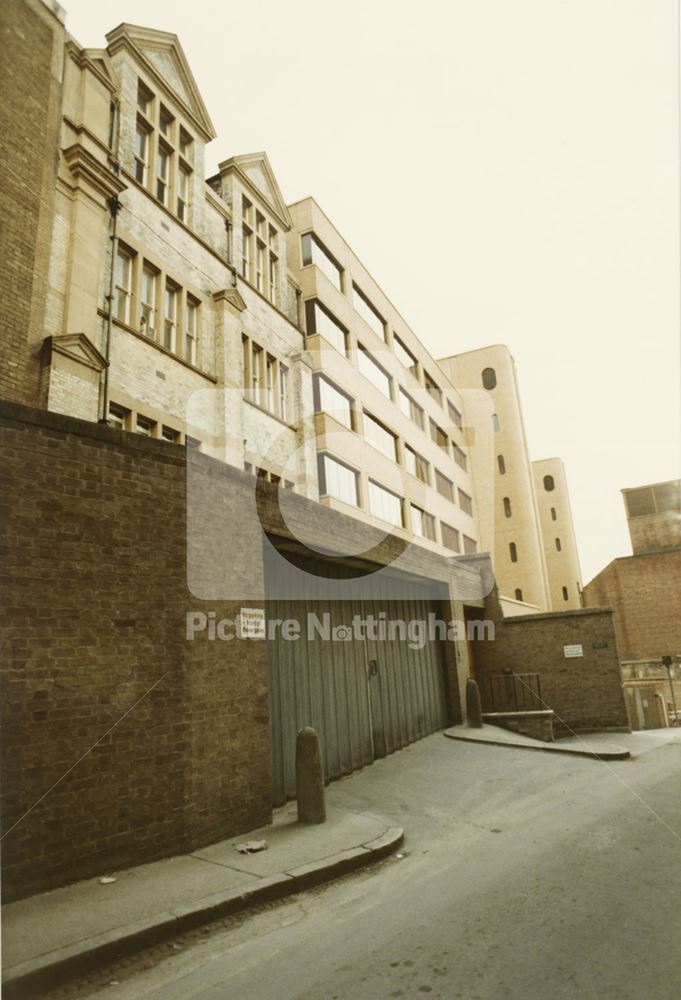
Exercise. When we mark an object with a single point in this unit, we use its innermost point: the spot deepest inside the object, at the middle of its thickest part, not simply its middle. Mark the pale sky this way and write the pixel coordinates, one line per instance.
(508, 170)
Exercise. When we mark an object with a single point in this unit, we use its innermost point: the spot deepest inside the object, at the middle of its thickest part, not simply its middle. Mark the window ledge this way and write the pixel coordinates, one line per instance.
(263, 409)
(159, 347)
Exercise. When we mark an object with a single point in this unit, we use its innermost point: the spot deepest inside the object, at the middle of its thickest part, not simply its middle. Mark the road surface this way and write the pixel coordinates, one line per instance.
(523, 876)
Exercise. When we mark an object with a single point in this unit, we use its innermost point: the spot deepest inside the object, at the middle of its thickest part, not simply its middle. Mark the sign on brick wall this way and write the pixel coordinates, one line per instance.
(575, 650)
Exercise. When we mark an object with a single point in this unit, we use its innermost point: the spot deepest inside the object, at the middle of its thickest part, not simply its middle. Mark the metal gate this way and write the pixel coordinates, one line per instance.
(366, 696)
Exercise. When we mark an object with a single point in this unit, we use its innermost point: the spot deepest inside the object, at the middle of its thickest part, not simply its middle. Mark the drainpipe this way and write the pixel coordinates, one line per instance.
(114, 206)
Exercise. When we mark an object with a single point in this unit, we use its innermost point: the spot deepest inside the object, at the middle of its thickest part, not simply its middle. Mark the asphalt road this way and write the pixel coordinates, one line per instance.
(523, 875)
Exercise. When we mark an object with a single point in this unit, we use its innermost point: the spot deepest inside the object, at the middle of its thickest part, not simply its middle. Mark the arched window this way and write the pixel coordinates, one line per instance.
(502, 465)
(495, 422)
(519, 594)
(489, 378)
(553, 514)
(549, 484)
(507, 507)
(558, 545)
(565, 593)
(513, 552)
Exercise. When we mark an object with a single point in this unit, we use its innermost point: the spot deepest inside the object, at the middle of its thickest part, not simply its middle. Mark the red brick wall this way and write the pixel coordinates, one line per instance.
(584, 692)
(94, 553)
(30, 81)
(643, 592)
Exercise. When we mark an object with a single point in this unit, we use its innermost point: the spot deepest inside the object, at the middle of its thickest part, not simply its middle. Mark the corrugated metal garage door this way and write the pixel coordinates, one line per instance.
(365, 698)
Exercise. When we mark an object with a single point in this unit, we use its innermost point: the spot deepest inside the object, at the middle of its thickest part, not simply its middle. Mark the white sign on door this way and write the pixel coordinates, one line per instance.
(252, 623)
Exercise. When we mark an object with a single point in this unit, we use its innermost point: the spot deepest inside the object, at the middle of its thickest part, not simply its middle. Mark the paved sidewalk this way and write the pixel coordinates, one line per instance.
(599, 746)
(70, 930)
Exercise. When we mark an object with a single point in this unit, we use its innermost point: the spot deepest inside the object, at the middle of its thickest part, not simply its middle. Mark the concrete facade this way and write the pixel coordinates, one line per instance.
(517, 522)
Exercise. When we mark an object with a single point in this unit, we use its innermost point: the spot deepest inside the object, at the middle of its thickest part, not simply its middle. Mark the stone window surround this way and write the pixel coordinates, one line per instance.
(249, 349)
(150, 121)
(138, 258)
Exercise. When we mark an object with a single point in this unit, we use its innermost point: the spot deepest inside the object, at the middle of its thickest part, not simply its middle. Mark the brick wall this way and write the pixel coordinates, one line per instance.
(584, 692)
(95, 553)
(643, 592)
(30, 79)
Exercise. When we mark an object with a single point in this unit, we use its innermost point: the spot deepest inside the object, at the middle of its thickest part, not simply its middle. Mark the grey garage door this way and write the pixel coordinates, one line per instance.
(365, 696)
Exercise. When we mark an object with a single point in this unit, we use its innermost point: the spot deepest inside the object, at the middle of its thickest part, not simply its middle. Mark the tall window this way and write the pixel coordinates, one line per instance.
(439, 436)
(558, 545)
(423, 524)
(314, 252)
(450, 537)
(454, 415)
(410, 408)
(183, 176)
(554, 516)
(320, 321)
(246, 237)
(565, 593)
(170, 316)
(283, 392)
(507, 507)
(260, 266)
(549, 484)
(444, 486)
(460, 457)
(368, 312)
(513, 552)
(416, 464)
(432, 388)
(502, 465)
(270, 383)
(273, 268)
(123, 284)
(385, 504)
(265, 379)
(163, 152)
(338, 480)
(465, 502)
(404, 355)
(380, 437)
(148, 300)
(162, 173)
(141, 153)
(191, 329)
(518, 594)
(496, 426)
(257, 374)
(373, 371)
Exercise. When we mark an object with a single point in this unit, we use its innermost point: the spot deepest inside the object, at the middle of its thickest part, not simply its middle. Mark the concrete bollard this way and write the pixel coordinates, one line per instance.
(473, 705)
(309, 777)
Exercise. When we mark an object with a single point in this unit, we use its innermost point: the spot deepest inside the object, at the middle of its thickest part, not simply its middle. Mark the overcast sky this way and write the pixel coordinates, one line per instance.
(508, 170)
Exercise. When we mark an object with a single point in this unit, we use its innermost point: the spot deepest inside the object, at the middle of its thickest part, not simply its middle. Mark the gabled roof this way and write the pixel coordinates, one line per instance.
(255, 170)
(160, 54)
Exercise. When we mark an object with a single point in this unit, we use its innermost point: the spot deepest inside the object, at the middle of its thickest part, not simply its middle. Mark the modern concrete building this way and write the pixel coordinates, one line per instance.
(525, 516)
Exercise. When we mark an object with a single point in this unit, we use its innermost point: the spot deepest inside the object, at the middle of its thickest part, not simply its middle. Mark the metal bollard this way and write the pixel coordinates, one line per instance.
(309, 777)
(473, 705)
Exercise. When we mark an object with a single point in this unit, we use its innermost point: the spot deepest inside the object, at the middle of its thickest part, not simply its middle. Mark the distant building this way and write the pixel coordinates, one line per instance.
(643, 590)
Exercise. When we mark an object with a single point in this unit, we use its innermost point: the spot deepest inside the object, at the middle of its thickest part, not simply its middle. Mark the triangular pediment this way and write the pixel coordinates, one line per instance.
(161, 55)
(256, 169)
(78, 347)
